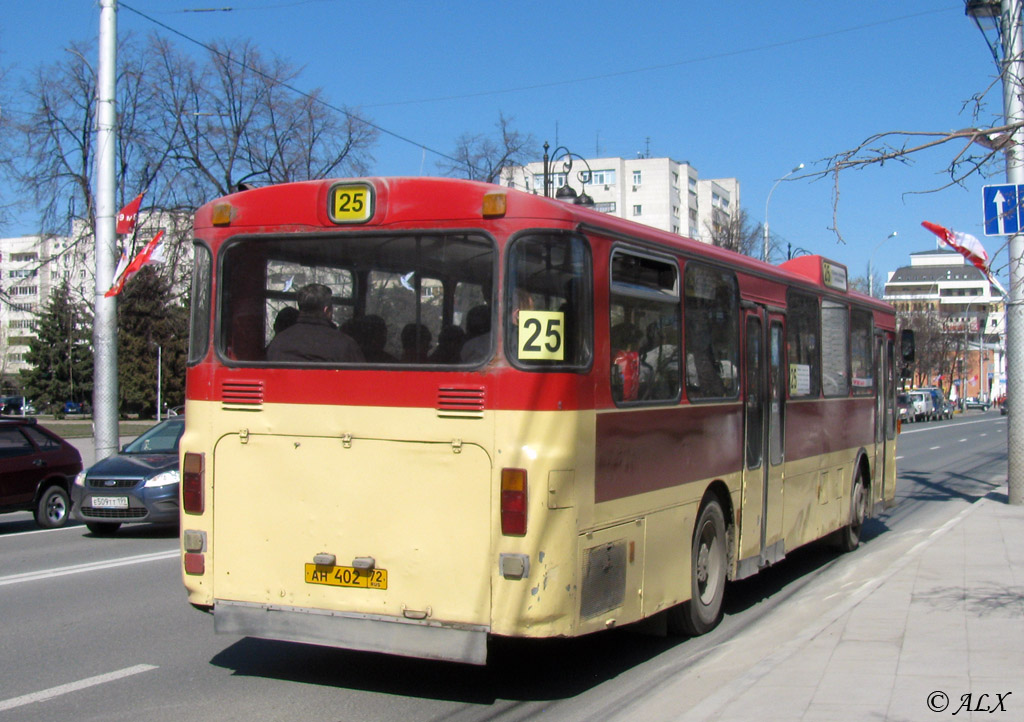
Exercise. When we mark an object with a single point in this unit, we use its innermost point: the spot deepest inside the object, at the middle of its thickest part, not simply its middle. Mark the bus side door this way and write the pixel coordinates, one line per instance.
(761, 541)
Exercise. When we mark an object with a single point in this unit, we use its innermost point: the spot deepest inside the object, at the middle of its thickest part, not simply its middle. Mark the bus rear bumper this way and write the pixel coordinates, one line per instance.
(364, 632)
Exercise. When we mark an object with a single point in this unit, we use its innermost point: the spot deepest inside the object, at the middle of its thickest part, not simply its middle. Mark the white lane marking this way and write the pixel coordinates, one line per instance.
(79, 527)
(934, 448)
(88, 567)
(73, 686)
(949, 425)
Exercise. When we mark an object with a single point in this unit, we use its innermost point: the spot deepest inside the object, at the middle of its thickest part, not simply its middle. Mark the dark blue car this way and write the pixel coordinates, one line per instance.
(140, 484)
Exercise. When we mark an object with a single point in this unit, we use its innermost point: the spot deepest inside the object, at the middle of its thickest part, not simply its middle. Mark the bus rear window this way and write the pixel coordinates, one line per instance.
(410, 298)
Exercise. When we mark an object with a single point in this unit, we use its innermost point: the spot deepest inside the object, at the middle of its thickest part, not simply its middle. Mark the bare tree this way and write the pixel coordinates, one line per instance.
(736, 232)
(238, 119)
(6, 202)
(483, 157)
(187, 131)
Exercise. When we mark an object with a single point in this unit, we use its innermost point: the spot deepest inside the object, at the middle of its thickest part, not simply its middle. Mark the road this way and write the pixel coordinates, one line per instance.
(99, 629)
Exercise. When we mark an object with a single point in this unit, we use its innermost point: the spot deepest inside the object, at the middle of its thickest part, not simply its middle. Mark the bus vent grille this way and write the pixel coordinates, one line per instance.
(242, 395)
(604, 578)
(461, 401)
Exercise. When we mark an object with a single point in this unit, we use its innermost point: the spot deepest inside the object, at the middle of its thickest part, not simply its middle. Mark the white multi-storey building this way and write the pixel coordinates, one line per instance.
(32, 266)
(658, 192)
(967, 306)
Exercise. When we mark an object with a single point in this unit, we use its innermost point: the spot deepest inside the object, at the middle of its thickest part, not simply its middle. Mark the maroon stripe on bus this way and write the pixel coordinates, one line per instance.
(650, 449)
(826, 425)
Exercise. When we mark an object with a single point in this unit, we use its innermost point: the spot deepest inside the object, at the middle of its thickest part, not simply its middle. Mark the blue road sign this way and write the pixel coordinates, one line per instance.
(1001, 205)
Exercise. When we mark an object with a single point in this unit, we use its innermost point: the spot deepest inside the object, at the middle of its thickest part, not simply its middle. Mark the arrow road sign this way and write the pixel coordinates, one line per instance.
(1001, 205)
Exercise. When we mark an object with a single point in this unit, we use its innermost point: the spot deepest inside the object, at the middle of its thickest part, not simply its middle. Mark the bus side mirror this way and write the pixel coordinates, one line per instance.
(907, 345)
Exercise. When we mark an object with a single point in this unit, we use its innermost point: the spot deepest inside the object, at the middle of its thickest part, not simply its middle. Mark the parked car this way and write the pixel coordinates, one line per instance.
(973, 403)
(139, 484)
(904, 408)
(1003, 407)
(36, 471)
(16, 406)
(72, 407)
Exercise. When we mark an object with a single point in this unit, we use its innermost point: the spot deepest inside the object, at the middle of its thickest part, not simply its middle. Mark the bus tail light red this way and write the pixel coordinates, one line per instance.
(513, 502)
(192, 496)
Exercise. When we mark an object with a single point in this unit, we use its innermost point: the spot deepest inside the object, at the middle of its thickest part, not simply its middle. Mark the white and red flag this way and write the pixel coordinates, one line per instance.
(964, 243)
(128, 215)
(152, 253)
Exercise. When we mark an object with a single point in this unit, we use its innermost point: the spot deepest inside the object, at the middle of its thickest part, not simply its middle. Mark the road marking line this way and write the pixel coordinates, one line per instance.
(73, 686)
(933, 448)
(88, 567)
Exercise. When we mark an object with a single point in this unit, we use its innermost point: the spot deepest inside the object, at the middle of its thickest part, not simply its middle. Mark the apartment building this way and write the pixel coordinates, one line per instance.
(32, 266)
(658, 192)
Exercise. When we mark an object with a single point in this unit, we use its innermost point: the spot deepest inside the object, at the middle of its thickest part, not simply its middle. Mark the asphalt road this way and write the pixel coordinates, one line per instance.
(99, 628)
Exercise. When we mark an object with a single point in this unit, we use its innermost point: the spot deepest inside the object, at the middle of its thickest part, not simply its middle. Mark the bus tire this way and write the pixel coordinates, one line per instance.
(708, 561)
(848, 537)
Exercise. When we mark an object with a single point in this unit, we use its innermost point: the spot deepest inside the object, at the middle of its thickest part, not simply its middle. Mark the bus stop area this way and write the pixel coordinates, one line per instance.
(938, 634)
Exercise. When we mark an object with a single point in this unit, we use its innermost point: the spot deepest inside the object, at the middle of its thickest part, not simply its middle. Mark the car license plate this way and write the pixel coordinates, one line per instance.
(110, 502)
(347, 577)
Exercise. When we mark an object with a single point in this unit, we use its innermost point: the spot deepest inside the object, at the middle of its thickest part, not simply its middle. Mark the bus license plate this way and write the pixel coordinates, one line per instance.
(347, 577)
(110, 502)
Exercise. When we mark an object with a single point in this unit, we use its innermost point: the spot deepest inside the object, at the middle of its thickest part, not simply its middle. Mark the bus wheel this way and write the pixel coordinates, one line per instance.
(849, 535)
(708, 560)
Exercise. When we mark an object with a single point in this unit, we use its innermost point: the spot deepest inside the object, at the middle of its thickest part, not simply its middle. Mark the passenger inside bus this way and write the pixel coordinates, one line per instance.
(478, 333)
(415, 343)
(449, 345)
(371, 333)
(626, 364)
(313, 336)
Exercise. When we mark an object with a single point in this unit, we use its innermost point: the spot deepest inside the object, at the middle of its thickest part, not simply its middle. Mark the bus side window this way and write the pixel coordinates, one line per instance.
(644, 328)
(711, 311)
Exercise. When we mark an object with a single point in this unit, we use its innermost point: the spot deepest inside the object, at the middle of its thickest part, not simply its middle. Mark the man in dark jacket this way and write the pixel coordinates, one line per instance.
(314, 337)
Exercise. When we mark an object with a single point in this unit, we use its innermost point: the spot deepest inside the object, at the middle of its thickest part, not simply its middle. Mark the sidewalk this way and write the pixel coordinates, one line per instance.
(939, 636)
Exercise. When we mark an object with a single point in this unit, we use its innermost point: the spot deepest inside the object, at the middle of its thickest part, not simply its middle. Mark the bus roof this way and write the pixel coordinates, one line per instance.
(412, 201)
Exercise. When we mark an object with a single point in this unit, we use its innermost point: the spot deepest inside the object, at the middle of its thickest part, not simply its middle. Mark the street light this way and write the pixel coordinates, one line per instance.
(566, 193)
(799, 167)
(871, 263)
(1002, 18)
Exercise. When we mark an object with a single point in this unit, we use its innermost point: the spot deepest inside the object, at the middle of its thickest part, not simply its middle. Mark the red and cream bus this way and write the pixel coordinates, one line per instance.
(555, 422)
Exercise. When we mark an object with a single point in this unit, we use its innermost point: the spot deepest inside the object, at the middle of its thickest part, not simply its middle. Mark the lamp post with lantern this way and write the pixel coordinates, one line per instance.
(566, 192)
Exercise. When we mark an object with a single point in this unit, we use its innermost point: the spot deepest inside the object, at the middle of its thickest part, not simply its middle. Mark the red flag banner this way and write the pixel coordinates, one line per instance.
(152, 253)
(128, 215)
(965, 244)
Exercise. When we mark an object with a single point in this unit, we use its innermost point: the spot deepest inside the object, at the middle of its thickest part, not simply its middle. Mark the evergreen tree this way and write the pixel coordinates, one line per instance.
(60, 356)
(147, 321)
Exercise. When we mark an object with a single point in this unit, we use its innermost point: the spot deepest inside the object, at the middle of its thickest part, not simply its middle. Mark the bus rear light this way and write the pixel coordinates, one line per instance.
(513, 502)
(195, 563)
(192, 494)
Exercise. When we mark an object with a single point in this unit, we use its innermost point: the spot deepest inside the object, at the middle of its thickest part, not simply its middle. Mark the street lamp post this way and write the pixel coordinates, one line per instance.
(566, 193)
(871, 264)
(767, 201)
(1003, 17)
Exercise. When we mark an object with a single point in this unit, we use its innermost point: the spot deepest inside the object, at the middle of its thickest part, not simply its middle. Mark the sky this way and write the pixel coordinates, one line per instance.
(746, 89)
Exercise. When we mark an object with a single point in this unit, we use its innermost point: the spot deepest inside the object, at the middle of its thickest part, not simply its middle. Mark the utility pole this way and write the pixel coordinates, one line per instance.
(1004, 17)
(1013, 108)
(104, 333)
